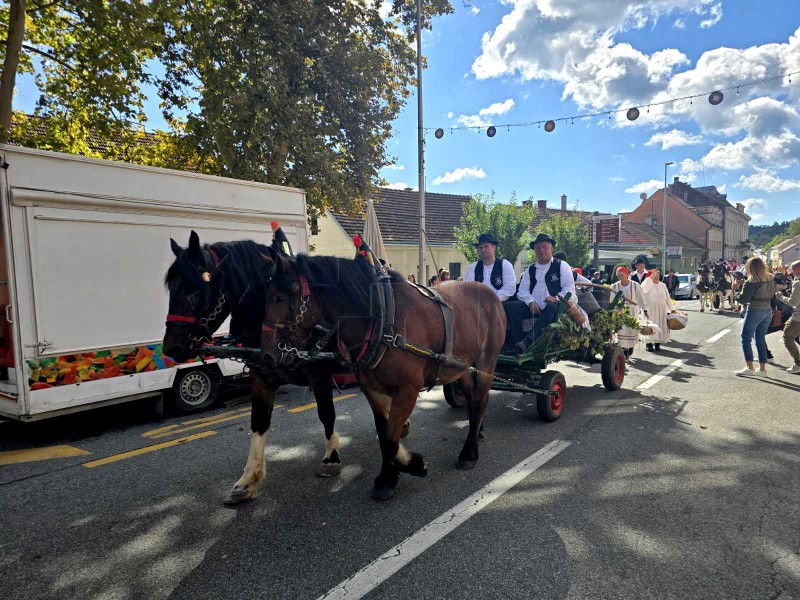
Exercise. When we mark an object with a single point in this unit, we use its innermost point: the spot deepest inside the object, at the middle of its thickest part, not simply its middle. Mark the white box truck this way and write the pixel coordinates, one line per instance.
(85, 247)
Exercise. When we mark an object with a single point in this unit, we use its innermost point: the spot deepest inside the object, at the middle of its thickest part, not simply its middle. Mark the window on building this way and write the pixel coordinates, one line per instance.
(455, 270)
(314, 226)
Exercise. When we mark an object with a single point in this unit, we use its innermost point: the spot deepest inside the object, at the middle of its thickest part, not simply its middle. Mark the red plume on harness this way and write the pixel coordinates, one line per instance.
(274, 225)
(357, 241)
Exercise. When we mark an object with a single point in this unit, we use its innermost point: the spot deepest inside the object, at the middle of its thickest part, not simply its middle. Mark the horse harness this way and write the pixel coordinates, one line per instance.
(381, 333)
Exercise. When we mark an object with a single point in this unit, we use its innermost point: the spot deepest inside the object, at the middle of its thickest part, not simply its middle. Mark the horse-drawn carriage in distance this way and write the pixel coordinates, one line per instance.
(563, 340)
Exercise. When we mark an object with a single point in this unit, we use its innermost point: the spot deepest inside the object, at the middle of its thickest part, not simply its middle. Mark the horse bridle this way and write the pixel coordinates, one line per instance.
(289, 344)
(213, 263)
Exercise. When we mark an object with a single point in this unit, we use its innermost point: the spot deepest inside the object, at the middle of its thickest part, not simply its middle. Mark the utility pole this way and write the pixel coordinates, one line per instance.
(664, 226)
(421, 279)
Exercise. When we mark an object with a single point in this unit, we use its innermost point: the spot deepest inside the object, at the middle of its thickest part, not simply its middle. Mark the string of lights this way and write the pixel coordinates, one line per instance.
(714, 98)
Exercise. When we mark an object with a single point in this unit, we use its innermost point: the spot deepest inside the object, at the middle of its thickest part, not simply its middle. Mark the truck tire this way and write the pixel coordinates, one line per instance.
(195, 390)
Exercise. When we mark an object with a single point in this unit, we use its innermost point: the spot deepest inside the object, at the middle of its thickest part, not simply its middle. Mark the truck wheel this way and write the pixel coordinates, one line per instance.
(549, 406)
(612, 369)
(195, 390)
(454, 395)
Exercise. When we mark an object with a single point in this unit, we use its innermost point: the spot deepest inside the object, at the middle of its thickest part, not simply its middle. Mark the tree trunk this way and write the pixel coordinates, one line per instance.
(276, 163)
(16, 35)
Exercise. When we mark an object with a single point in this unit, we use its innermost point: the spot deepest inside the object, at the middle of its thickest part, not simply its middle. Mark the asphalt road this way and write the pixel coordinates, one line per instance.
(684, 484)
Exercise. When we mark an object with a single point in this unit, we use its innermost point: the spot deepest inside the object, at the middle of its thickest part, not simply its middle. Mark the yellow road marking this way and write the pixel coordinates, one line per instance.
(314, 404)
(198, 426)
(159, 430)
(11, 457)
(147, 449)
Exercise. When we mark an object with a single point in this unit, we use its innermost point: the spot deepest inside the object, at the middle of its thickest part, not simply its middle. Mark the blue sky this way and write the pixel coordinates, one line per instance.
(511, 61)
(543, 59)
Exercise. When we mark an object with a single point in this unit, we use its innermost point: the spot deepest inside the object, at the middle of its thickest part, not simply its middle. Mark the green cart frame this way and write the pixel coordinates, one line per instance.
(527, 372)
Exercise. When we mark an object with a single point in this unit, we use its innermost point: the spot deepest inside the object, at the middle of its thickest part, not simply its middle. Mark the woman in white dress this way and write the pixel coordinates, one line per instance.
(635, 301)
(656, 295)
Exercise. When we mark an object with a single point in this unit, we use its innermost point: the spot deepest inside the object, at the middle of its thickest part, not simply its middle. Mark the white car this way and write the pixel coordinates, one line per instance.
(687, 286)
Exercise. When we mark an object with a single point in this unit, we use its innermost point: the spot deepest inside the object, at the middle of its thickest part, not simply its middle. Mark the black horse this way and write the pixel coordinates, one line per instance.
(208, 283)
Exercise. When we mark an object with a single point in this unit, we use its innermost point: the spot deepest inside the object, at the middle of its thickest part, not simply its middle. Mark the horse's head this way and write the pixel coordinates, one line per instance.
(290, 313)
(198, 302)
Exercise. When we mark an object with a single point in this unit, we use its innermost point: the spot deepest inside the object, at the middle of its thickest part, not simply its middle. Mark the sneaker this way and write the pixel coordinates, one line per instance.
(759, 373)
(745, 372)
(794, 369)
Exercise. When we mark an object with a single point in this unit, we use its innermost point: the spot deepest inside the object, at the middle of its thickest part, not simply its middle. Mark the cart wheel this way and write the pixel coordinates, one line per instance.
(195, 390)
(454, 395)
(613, 368)
(550, 407)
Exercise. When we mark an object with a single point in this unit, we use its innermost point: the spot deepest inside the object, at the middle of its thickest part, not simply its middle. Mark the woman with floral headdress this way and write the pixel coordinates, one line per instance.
(634, 299)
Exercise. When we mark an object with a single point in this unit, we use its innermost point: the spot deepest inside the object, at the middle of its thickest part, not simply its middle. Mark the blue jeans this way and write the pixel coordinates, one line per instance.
(756, 323)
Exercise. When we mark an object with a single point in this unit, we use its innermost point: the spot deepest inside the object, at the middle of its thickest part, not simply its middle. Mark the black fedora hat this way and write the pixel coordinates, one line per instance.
(487, 238)
(640, 261)
(542, 237)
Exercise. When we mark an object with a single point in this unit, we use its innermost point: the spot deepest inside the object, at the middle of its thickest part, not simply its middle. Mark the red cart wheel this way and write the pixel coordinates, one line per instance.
(550, 406)
(613, 368)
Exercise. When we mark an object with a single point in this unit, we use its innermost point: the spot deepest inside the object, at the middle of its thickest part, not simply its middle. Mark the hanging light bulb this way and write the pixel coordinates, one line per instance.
(549, 126)
(491, 131)
(633, 114)
(439, 133)
(715, 98)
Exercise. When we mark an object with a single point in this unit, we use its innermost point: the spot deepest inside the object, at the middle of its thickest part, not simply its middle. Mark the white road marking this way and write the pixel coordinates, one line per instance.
(714, 338)
(378, 571)
(661, 374)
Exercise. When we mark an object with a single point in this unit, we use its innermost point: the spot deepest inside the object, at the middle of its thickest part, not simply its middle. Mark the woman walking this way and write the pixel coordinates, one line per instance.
(659, 303)
(759, 289)
(635, 301)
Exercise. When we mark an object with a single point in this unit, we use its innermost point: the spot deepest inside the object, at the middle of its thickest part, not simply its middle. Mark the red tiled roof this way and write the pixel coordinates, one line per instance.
(398, 216)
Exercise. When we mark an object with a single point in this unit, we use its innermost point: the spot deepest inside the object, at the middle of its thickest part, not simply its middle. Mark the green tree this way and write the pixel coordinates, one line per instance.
(92, 59)
(296, 93)
(571, 235)
(509, 222)
(792, 230)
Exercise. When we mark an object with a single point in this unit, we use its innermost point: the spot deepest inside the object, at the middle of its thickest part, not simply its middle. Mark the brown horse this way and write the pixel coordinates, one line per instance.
(309, 290)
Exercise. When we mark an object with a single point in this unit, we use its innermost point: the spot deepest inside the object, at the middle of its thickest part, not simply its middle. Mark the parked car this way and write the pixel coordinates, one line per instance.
(687, 286)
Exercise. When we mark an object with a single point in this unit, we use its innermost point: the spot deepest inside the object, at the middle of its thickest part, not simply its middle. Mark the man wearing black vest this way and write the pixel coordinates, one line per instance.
(496, 273)
(543, 282)
(641, 273)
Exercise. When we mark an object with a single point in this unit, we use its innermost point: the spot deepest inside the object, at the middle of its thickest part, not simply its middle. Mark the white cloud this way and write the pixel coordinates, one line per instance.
(646, 187)
(496, 109)
(385, 9)
(474, 10)
(716, 16)
(755, 207)
(395, 167)
(679, 24)
(673, 139)
(688, 170)
(450, 115)
(461, 174)
(400, 185)
(768, 182)
(616, 179)
(721, 188)
(774, 151)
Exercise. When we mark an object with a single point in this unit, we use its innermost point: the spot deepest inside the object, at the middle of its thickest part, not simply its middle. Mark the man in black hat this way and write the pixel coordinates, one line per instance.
(641, 272)
(543, 282)
(496, 273)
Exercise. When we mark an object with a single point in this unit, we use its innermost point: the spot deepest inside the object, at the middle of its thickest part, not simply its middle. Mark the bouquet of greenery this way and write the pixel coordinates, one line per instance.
(604, 324)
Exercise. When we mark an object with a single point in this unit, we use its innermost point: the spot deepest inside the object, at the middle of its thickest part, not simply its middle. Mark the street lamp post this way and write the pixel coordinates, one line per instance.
(664, 225)
(420, 151)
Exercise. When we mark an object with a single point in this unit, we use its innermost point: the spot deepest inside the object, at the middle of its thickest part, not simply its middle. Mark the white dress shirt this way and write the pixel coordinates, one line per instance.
(540, 291)
(509, 279)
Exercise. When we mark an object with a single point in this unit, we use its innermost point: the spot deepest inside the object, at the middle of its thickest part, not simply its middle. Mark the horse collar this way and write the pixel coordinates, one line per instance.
(214, 256)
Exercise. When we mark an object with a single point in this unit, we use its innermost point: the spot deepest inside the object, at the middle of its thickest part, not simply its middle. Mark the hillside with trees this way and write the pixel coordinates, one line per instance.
(760, 235)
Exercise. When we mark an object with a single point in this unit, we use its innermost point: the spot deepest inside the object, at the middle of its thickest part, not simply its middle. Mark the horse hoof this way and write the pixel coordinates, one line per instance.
(329, 469)
(381, 494)
(406, 429)
(466, 465)
(240, 494)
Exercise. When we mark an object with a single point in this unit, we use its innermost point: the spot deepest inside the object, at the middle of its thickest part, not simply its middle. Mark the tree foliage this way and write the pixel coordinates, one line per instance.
(296, 93)
(792, 229)
(571, 235)
(508, 221)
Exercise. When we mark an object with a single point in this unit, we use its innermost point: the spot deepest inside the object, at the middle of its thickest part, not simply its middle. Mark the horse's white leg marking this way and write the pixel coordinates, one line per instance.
(402, 456)
(254, 469)
(331, 445)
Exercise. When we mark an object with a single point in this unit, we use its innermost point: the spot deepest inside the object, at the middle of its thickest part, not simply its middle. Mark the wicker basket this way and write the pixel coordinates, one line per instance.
(647, 330)
(674, 323)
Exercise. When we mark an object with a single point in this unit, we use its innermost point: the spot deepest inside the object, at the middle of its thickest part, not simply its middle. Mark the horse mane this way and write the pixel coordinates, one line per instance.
(346, 283)
(241, 268)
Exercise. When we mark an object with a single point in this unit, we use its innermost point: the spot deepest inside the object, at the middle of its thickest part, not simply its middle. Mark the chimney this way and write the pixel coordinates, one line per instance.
(541, 205)
(563, 202)
(676, 179)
